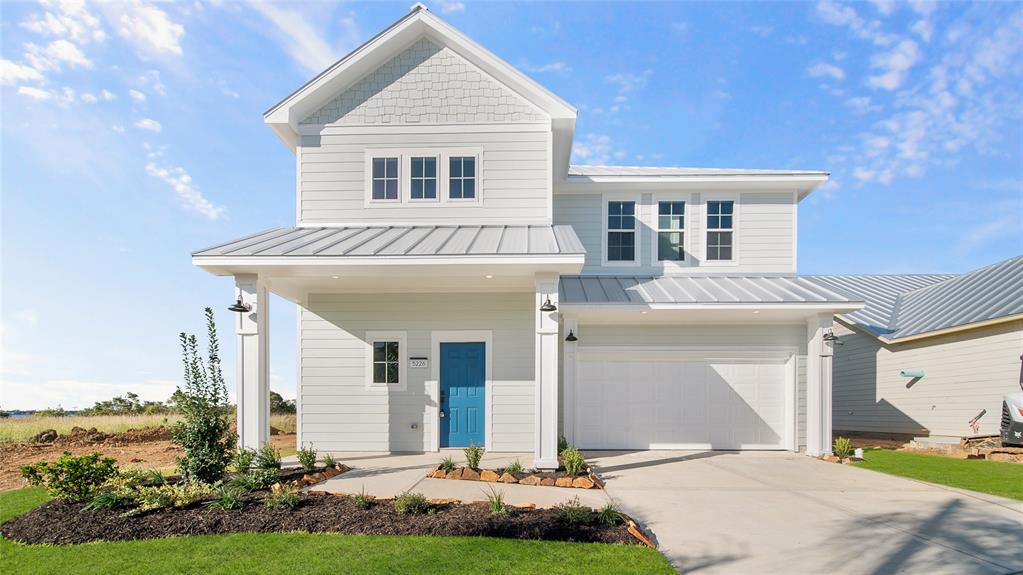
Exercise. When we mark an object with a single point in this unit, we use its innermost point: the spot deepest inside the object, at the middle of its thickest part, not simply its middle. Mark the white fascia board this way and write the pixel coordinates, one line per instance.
(803, 184)
(815, 307)
(342, 261)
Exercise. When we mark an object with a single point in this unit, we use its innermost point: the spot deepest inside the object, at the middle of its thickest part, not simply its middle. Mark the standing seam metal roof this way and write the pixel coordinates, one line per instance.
(695, 290)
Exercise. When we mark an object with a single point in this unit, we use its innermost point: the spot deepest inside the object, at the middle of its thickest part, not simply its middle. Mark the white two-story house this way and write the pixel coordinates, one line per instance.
(459, 282)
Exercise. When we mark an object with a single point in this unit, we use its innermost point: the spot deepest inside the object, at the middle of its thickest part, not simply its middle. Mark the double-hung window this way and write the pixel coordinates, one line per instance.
(621, 231)
(720, 230)
(671, 224)
(462, 177)
(385, 179)
(385, 364)
(423, 174)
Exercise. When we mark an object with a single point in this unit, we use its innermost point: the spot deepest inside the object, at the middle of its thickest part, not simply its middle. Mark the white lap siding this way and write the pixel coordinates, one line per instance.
(340, 414)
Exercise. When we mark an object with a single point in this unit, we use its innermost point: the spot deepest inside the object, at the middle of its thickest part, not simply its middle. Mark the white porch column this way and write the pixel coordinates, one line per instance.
(545, 454)
(253, 391)
(819, 352)
(568, 381)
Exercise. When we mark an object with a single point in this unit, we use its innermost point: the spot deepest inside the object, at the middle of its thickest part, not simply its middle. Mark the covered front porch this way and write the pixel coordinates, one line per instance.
(410, 339)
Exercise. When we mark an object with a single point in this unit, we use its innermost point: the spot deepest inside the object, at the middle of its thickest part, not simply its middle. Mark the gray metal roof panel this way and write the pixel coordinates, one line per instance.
(696, 290)
(879, 292)
(678, 171)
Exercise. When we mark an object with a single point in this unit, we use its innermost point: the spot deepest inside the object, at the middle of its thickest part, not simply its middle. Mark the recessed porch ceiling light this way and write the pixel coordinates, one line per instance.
(643, 312)
(335, 277)
(489, 276)
(756, 311)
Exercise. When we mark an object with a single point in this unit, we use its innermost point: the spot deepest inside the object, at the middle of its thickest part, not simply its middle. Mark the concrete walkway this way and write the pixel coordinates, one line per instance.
(387, 475)
(770, 512)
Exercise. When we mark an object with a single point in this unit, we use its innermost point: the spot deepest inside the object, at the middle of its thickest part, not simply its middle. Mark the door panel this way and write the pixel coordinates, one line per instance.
(462, 393)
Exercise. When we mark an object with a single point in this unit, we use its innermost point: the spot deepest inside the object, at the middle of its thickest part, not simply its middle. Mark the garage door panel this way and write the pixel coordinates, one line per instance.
(673, 402)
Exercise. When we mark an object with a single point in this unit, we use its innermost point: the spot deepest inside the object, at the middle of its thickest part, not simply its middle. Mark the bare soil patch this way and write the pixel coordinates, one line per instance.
(58, 522)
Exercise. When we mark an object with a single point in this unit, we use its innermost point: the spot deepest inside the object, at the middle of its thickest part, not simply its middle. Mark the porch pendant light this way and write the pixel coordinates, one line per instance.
(548, 306)
(571, 336)
(239, 306)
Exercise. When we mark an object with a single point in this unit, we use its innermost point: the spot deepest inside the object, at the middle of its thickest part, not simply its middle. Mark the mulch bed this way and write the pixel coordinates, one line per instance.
(58, 522)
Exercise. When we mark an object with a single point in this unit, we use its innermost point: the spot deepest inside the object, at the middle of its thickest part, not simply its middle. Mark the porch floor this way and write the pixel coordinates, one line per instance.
(390, 474)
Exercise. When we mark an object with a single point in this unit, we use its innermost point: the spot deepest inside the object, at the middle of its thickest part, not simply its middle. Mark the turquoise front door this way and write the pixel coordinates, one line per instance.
(462, 379)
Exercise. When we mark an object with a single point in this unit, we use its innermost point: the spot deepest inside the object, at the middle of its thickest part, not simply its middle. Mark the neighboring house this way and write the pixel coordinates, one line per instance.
(458, 281)
(928, 355)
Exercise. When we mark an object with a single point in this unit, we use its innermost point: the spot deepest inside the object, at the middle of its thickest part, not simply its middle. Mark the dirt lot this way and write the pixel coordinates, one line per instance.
(148, 448)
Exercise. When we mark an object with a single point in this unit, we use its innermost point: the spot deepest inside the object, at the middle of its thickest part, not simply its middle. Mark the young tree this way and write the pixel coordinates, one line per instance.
(204, 431)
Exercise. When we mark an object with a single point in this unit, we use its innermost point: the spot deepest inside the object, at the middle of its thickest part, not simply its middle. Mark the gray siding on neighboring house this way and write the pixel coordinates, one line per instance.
(765, 232)
(514, 172)
(338, 413)
(965, 373)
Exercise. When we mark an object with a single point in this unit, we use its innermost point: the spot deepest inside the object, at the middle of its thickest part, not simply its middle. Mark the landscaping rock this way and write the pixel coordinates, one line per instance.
(547, 482)
(470, 474)
(582, 483)
(489, 475)
(530, 480)
(47, 436)
(456, 474)
(563, 482)
(329, 472)
(831, 458)
(524, 505)
(508, 478)
(309, 478)
(342, 468)
(439, 474)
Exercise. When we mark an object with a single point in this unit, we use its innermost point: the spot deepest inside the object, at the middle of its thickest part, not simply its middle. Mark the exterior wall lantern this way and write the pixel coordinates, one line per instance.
(239, 306)
(548, 306)
(571, 336)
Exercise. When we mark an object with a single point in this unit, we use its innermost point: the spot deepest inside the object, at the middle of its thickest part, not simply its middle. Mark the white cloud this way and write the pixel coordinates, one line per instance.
(762, 31)
(862, 105)
(54, 55)
(894, 65)
(824, 69)
(189, 196)
(843, 15)
(107, 95)
(305, 42)
(149, 124)
(117, 128)
(151, 79)
(137, 96)
(596, 149)
(26, 316)
(66, 19)
(63, 97)
(449, 6)
(885, 7)
(89, 98)
(14, 73)
(146, 26)
(559, 67)
(628, 81)
(35, 93)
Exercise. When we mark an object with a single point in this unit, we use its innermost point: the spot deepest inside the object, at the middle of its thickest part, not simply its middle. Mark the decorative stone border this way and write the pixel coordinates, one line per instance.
(545, 479)
(321, 476)
(837, 459)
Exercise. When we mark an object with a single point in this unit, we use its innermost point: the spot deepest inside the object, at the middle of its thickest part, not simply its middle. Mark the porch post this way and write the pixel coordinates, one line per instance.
(568, 382)
(253, 379)
(545, 454)
(818, 385)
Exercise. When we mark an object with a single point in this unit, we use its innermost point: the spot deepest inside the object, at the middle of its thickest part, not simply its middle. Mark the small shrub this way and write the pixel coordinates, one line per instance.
(573, 461)
(126, 480)
(495, 500)
(243, 459)
(156, 477)
(167, 495)
(573, 512)
(307, 457)
(515, 467)
(362, 500)
(448, 464)
(473, 455)
(107, 500)
(267, 457)
(609, 515)
(843, 447)
(255, 479)
(229, 497)
(71, 478)
(409, 503)
(329, 460)
(287, 497)
(562, 444)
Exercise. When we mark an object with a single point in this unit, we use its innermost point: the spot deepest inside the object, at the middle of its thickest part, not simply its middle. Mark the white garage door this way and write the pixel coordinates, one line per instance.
(646, 400)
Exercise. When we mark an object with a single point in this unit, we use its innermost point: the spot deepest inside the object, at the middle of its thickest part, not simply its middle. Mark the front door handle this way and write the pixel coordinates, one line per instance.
(442, 413)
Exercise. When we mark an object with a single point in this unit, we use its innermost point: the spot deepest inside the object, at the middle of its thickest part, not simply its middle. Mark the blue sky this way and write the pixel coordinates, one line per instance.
(132, 135)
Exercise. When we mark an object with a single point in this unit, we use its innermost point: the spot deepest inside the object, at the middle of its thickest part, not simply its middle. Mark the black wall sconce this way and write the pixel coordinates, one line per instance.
(240, 306)
(548, 306)
(571, 336)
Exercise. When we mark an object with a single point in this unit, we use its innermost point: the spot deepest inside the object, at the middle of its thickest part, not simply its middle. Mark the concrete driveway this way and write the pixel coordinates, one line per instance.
(769, 512)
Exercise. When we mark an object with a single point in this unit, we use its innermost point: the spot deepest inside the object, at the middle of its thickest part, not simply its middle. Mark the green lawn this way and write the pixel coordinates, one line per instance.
(996, 478)
(317, 553)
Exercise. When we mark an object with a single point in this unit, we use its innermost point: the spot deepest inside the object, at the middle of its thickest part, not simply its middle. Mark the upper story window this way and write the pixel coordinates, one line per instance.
(621, 231)
(462, 177)
(671, 223)
(720, 230)
(423, 183)
(385, 179)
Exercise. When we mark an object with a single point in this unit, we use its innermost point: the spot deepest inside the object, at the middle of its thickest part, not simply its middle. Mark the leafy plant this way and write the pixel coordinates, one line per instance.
(156, 477)
(473, 455)
(409, 503)
(573, 461)
(448, 464)
(573, 512)
(229, 497)
(307, 457)
(843, 447)
(71, 478)
(204, 432)
(562, 444)
(107, 500)
(329, 460)
(171, 495)
(267, 457)
(515, 467)
(495, 500)
(287, 497)
(255, 479)
(609, 515)
(361, 499)
(243, 459)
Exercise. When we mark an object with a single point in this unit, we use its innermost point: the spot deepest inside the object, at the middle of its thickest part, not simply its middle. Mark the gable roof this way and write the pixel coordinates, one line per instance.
(910, 306)
(284, 117)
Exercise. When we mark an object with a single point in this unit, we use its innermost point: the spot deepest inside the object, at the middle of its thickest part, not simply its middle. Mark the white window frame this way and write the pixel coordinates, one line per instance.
(735, 228)
(405, 156)
(436, 155)
(379, 336)
(376, 154)
(637, 230)
(687, 230)
(474, 153)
